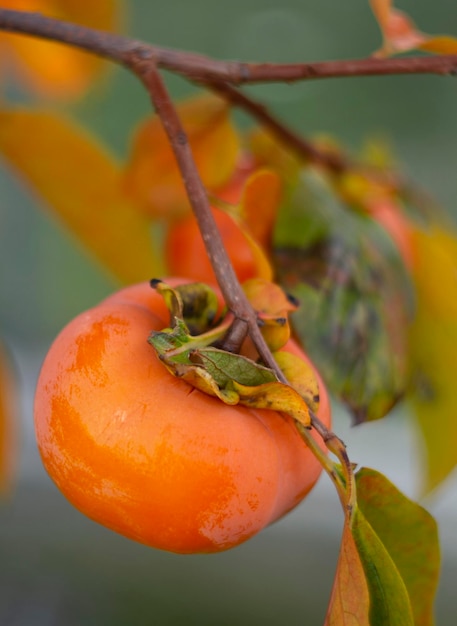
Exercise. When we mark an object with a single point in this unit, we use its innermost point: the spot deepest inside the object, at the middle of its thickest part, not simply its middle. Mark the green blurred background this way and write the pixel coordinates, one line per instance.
(57, 567)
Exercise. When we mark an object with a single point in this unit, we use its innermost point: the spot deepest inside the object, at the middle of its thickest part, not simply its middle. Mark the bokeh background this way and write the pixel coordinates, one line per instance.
(56, 566)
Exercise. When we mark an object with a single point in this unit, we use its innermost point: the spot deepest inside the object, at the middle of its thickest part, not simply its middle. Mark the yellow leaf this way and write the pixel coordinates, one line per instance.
(260, 203)
(152, 177)
(80, 183)
(442, 44)
(433, 343)
(435, 262)
(301, 376)
(51, 69)
(272, 307)
(274, 396)
(270, 153)
(8, 423)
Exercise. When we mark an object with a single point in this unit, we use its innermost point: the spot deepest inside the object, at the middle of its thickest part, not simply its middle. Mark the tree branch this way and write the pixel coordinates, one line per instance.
(303, 148)
(234, 296)
(195, 67)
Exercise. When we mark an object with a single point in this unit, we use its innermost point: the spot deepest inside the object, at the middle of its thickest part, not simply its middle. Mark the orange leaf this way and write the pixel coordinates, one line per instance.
(7, 423)
(398, 29)
(400, 33)
(349, 602)
(51, 69)
(152, 177)
(80, 183)
(260, 203)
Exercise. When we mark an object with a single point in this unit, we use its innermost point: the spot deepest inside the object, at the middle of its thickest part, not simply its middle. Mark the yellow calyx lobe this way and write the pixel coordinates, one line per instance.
(272, 307)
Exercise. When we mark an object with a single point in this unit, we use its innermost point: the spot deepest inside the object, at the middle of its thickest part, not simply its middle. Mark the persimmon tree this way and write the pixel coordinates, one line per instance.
(355, 243)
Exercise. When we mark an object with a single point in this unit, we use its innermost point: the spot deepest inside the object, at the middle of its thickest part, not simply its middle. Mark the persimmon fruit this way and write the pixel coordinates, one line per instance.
(149, 456)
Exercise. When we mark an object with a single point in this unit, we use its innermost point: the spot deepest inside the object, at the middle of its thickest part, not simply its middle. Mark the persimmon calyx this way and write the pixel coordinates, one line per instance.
(272, 307)
(194, 303)
(233, 378)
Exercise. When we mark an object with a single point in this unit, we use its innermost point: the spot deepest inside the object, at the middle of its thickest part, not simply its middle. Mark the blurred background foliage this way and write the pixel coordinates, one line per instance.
(56, 567)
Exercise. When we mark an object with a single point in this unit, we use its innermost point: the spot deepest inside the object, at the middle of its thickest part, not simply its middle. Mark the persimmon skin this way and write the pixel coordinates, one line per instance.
(148, 456)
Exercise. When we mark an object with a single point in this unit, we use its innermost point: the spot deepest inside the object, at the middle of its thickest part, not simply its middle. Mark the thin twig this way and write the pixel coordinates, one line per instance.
(199, 68)
(302, 147)
(234, 296)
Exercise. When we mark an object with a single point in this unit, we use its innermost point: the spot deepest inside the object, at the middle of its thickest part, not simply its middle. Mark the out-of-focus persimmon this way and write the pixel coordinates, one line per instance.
(147, 455)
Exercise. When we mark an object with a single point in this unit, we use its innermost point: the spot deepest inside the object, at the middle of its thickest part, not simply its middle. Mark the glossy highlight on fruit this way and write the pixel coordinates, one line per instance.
(147, 455)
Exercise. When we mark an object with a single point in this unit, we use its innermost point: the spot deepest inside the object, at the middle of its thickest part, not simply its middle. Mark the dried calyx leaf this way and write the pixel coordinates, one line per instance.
(272, 306)
(196, 303)
(233, 378)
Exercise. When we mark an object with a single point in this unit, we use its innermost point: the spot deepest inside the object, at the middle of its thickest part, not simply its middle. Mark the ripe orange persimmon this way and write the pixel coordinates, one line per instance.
(145, 454)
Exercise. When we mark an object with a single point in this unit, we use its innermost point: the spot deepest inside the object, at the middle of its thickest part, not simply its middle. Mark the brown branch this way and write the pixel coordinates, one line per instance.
(302, 147)
(225, 274)
(133, 53)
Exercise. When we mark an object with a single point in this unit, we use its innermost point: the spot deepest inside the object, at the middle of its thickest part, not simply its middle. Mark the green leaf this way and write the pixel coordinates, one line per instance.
(409, 536)
(354, 292)
(79, 182)
(388, 568)
(389, 601)
(226, 367)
